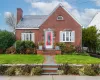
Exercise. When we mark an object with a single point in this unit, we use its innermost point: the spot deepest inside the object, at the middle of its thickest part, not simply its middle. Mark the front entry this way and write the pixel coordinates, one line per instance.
(48, 39)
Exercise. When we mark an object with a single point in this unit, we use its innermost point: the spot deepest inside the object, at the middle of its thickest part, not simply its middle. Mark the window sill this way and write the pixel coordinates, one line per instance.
(66, 41)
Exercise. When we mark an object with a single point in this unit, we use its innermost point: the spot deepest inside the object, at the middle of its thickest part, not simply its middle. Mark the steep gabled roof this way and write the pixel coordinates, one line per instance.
(95, 21)
(66, 11)
(31, 21)
(35, 21)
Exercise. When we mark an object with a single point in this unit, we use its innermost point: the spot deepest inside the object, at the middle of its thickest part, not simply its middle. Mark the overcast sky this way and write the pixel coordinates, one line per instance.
(82, 10)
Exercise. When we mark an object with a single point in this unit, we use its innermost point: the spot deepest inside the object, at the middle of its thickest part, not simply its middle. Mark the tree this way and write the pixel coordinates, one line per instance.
(90, 37)
(7, 39)
(10, 20)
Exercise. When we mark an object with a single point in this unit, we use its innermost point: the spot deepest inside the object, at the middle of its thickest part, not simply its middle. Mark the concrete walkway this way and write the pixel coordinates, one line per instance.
(50, 77)
(49, 59)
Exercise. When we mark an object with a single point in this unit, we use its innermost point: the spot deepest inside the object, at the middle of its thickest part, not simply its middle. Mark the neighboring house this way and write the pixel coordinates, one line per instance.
(59, 26)
(95, 21)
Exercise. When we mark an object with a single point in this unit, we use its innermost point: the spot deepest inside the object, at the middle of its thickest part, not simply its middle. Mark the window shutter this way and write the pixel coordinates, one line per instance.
(22, 36)
(61, 36)
(73, 36)
(33, 37)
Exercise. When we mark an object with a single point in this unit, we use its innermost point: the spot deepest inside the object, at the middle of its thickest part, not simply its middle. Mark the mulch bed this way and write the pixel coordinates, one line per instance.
(95, 55)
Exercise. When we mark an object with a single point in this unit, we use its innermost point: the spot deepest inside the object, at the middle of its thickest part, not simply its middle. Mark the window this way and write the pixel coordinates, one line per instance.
(60, 18)
(27, 37)
(67, 36)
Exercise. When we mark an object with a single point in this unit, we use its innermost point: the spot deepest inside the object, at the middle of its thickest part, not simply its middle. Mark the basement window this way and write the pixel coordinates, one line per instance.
(60, 18)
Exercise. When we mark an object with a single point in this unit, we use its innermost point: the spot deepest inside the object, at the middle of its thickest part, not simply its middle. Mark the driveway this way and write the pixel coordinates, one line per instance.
(50, 77)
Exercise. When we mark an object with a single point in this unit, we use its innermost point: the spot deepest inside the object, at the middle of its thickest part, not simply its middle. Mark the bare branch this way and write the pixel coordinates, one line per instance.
(10, 20)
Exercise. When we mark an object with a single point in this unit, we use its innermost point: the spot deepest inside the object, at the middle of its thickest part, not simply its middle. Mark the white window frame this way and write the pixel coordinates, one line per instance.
(28, 37)
(60, 18)
(63, 36)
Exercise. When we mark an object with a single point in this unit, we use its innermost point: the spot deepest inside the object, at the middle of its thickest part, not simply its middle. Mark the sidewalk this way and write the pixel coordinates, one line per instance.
(50, 77)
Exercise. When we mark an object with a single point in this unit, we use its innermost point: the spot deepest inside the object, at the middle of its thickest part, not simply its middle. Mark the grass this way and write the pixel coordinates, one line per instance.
(76, 59)
(20, 59)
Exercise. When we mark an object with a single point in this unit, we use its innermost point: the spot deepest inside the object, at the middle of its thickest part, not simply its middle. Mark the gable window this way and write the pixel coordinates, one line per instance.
(27, 37)
(60, 18)
(67, 36)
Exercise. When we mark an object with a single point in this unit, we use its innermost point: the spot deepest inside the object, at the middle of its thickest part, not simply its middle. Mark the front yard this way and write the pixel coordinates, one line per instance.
(20, 59)
(76, 59)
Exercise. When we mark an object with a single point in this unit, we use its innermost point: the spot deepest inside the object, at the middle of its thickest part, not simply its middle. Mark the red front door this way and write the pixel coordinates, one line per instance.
(49, 39)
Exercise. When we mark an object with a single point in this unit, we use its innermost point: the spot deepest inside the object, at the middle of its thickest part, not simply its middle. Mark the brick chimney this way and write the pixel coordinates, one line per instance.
(19, 14)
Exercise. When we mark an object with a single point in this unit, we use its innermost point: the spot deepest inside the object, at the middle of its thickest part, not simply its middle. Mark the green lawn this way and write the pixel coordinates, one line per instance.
(76, 59)
(20, 59)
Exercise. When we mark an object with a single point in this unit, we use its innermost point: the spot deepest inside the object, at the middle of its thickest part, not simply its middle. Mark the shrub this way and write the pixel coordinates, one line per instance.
(7, 39)
(66, 47)
(73, 70)
(3, 69)
(69, 69)
(81, 71)
(10, 71)
(18, 71)
(60, 72)
(11, 50)
(26, 69)
(25, 46)
(65, 68)
(70, 48)
(1, 50)
(36, 71)
(29, 50)
(96, 68)
(78, 49)
(62, 47)
(88, 70)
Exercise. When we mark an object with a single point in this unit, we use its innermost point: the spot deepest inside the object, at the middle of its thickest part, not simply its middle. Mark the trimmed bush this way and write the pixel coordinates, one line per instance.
(29, 50)
(96, 68)
(36, 71)
(62, 47)
(73, 70)
(65, 68)
(18, 71)
(88, 70)
(66, 47)
(11, 50)
(69, 69)
(7, 39)
(10, 71)
(60, 72)
(3, 69)
(25, 46)
(26, 70)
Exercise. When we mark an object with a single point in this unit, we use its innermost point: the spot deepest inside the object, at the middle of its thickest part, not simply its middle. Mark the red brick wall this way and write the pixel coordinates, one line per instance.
(67, 23)
(19, 31)
(19, 14)
(57, 26)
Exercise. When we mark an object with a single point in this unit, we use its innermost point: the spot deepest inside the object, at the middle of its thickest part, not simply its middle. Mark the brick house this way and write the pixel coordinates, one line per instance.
(59, 26)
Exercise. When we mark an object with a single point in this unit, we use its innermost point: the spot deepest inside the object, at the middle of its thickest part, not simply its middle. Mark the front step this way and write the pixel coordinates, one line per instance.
(50, 73)
(50, 69)
(49, 52)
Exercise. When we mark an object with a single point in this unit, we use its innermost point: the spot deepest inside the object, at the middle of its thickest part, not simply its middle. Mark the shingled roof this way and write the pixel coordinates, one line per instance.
(35, 21)
(31, 21)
